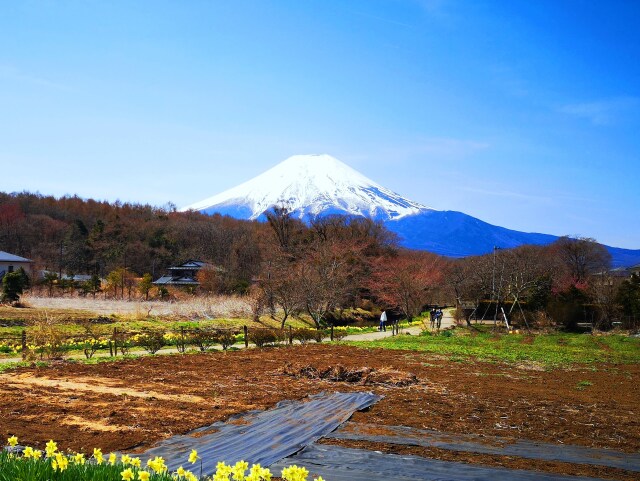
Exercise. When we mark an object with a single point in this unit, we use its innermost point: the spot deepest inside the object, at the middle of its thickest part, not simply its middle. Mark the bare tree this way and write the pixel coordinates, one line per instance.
(281, 286)
(284, 226)
(324, 276)
(408, 281)
(582, 257)
(526, 270)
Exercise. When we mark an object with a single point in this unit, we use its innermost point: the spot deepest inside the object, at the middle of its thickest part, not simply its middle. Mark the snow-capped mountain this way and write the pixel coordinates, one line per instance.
(312, 185)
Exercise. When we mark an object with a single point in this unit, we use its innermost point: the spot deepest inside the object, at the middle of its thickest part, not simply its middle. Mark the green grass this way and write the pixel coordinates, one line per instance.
(549, 349)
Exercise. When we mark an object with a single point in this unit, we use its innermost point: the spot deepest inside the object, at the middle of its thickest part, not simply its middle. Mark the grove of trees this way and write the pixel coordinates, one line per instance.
(322, 268)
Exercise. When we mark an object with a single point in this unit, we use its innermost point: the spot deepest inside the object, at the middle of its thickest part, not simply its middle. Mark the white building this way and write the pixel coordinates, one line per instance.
(11, 262)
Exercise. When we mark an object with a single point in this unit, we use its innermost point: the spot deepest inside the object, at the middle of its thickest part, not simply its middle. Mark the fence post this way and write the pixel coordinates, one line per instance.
(183, 346)
(331, 336)
(290, 335)
(24, 344)
(246, 336)
(115, 341)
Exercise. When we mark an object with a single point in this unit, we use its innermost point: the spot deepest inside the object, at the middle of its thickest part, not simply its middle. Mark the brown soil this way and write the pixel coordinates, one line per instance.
(121, 405)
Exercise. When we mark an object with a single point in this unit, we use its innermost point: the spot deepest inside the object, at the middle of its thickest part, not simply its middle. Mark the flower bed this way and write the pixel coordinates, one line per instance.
(28, 464)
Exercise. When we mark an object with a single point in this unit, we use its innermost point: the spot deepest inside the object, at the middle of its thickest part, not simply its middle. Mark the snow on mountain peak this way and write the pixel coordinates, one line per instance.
(310, 185)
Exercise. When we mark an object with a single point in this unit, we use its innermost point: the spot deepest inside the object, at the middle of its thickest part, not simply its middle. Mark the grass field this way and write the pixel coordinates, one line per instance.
(556, 349)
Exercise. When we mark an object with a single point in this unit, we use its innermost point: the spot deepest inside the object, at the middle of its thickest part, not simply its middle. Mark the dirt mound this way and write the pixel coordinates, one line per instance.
(363, 375)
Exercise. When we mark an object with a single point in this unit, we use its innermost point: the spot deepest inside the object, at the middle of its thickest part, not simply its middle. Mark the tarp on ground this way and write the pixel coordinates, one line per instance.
(336, 463)
(263, 437)
(487, 445)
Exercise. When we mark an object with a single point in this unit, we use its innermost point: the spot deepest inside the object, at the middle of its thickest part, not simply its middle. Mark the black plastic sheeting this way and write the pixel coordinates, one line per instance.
(336, 463)
(488, 445)
(263, 437)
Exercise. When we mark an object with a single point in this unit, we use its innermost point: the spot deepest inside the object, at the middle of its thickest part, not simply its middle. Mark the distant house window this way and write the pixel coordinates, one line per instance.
(10, 268)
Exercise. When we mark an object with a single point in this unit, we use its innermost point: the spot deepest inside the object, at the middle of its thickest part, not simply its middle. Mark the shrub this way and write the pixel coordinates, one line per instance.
(49, 337)
(262, 337)
(204, 339)
(225, 338)
(152, 340)
(13, 285)
(339, 334)
(305, 336)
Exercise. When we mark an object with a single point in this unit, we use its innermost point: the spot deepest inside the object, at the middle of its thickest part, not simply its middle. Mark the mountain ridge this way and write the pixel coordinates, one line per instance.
(320, 185)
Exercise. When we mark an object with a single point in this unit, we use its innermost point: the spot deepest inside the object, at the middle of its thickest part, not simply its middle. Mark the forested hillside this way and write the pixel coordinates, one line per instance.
(75, 235)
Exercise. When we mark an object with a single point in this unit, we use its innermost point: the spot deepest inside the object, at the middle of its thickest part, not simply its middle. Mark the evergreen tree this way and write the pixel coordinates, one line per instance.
(13, 285)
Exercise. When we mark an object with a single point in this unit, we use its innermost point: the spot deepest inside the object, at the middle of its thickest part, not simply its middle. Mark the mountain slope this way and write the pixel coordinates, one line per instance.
(456, 234)
(311, 185)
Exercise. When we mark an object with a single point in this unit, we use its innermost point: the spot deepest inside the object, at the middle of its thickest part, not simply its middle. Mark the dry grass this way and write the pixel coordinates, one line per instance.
(200, 307)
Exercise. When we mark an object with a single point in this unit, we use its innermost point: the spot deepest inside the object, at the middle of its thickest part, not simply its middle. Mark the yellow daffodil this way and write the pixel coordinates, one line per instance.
(37, 454)
(157, 464)
(258, 473)
(239, 469)
(13, 441)
(189, 476)
(143, 475)
(222, 472)
(295, 473)
(28, 452)
(79, 458)
(113, 458)
(61, 462)
(180, 471)
(127, 474)
(135, 462)
(193, 457)
(97, 455)
(51, 448)
(125, 459)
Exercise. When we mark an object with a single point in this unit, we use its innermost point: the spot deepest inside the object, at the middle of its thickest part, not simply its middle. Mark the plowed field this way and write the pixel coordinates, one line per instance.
(133, 403)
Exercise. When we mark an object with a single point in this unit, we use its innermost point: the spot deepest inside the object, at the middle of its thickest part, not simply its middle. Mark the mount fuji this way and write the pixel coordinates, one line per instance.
(320, 185)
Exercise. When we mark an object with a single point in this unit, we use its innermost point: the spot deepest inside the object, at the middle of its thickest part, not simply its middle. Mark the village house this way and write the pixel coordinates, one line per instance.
(183, 275)
(11, 262)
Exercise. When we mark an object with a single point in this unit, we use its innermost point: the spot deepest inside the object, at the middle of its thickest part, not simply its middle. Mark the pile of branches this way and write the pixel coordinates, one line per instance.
(362, 375)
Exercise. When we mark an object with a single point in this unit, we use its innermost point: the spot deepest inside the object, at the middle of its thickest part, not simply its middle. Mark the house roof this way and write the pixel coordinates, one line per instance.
(190, 264)
(6, 257)
(176, 281)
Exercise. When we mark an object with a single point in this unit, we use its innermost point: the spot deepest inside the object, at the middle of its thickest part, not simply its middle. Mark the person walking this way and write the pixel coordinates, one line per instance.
(383, 321)
(439, 318)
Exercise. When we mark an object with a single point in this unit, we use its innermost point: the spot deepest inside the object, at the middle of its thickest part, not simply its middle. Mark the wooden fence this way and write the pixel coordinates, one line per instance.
(121, 341)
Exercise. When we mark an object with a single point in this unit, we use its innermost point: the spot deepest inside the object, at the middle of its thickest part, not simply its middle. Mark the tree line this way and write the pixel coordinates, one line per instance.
(322, 267)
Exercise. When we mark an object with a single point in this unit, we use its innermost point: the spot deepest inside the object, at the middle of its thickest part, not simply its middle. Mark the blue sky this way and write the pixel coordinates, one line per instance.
(524, 114)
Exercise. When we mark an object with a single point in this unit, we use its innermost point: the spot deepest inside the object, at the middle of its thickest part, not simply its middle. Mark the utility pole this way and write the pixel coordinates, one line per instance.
(494, 293)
